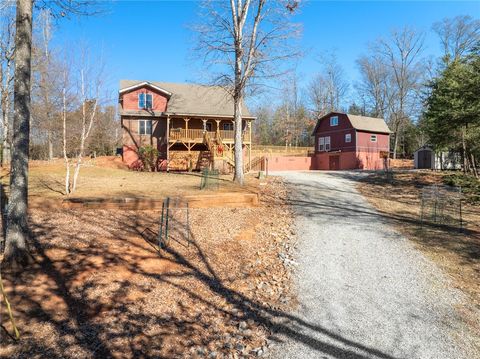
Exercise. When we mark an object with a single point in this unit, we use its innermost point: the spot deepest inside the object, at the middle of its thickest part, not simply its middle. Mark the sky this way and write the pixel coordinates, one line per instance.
(152, 40)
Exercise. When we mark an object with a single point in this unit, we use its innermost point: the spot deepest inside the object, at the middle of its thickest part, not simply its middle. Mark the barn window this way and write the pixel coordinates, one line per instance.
(321, 144)
(373, 138)
(145, 100)
(348, 137)
(327, 143)
(145, 127)
(334, 121)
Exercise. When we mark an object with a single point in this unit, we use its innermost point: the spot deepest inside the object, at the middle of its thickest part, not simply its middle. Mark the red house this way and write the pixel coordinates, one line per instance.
(344, 141)
(190, 125)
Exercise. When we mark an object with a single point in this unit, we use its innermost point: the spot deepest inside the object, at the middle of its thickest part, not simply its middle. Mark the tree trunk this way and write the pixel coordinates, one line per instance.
(464, 151)
(16, 249)
(238, 146)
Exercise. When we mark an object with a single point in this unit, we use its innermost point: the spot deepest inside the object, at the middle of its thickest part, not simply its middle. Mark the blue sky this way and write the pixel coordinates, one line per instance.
(151, 39)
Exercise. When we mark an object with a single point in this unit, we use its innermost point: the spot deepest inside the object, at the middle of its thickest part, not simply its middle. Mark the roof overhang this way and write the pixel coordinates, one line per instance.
(165, 114)
(143, 84)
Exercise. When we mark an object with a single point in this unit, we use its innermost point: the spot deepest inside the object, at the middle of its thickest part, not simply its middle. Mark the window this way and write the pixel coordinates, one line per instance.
(208, 127)
(334, 121)
(324, 144)
(373, 138)
(348, 137)
(227, 126)
(145, 127)
(321, 144)
(145, 100)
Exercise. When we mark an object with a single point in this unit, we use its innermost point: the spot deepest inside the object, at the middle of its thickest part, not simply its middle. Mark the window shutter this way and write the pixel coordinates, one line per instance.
(141, 100)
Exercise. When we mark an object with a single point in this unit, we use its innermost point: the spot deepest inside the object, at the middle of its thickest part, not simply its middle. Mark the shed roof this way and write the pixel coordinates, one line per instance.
(361, 123)
(191, 99)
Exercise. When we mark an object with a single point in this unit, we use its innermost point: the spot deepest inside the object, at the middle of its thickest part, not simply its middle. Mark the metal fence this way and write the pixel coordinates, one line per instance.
(174, 224)
(442, 206)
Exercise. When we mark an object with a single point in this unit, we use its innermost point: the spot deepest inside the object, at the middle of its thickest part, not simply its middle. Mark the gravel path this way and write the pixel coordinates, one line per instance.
(363, 290)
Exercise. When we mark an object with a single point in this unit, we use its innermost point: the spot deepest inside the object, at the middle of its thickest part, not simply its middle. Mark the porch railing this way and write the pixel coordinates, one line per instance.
(197, 135)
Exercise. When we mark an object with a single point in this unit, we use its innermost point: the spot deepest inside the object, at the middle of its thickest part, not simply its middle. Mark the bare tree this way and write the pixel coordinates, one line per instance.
(374, 87)
(17, 233)
(458, 36)
(328, 88)
(16, 251)
(247, 40)
(7, 50)
(401, 53)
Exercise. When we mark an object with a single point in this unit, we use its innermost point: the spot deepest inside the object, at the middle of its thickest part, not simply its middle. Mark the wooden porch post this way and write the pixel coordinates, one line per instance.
(250, 146)
(204, 124)
(168, 142)
(218, 128)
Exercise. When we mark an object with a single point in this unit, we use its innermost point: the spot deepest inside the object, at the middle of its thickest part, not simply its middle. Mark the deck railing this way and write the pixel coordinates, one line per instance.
(197, 135)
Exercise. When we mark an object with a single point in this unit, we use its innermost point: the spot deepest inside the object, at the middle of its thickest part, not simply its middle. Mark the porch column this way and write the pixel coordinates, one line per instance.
(204, 124)
(249, 124)
(218, 128)
(168, 142)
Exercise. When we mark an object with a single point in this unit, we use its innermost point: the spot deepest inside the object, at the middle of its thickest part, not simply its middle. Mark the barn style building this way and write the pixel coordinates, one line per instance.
(344, 141)
(190, 125)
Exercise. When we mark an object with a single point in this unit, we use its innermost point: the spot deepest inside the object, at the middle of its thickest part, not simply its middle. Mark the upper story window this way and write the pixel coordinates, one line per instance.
(145, 100)
(348, 137)
(145, 127)
(227, 126)
(334, 121)
(373, 138)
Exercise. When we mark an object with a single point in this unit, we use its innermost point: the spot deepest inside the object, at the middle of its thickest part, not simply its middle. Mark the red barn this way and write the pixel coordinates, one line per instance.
(344, 141)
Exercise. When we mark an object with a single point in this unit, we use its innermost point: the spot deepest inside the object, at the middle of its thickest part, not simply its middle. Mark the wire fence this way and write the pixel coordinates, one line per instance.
(174, 224)
(442, 206)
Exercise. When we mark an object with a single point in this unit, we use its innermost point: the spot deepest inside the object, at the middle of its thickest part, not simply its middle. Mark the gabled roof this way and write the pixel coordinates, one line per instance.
(361, 123)
(143, 84)
(191, 99)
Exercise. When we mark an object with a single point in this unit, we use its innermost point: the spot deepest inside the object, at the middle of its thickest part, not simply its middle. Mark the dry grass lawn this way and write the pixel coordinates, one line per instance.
(108, 177)
(456, 252)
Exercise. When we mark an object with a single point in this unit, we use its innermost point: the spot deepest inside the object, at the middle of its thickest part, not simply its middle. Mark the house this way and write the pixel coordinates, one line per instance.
(427, 158)
(344, 141)
(190, 125)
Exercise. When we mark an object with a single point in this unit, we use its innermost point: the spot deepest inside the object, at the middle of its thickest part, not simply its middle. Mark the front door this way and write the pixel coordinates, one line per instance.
(334, 162)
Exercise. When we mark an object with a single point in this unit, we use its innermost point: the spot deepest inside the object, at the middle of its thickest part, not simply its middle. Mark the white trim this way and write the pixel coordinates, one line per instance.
(142, 84)
(327, 143)
(373, 138)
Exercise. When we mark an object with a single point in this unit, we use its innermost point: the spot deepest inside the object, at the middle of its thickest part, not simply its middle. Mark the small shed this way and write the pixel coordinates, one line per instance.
(424, 157)
(427, 157)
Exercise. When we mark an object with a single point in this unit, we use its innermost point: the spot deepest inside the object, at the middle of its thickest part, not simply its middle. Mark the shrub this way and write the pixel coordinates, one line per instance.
(148, 156)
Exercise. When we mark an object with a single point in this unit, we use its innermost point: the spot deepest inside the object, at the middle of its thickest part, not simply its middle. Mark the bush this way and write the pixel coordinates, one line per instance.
(469, 184)
(148, 156)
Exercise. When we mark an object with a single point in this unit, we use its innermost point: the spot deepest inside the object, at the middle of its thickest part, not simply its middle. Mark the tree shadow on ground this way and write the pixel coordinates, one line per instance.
(110, 298)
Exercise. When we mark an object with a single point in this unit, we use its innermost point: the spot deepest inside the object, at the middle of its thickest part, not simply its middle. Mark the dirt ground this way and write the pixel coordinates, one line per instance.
(456, 251)
(107, 177)
(98, 288)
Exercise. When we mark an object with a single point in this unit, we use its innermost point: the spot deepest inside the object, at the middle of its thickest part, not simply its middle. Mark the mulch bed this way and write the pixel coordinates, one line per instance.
(99, 288)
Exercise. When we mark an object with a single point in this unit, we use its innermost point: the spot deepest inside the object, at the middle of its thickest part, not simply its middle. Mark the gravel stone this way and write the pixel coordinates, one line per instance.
(364, 291)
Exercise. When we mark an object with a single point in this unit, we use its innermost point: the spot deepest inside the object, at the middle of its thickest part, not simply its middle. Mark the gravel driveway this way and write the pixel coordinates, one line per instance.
(363, 290)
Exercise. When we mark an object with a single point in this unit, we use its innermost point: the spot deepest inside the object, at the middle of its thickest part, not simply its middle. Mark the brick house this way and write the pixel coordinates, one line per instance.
(190, 125)
(344, 141)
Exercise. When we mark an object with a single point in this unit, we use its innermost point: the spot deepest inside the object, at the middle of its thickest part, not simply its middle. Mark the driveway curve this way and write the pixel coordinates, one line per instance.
(364, 291)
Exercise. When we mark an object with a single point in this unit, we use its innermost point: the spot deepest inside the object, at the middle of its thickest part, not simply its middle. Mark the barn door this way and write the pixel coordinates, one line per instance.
(334, 162)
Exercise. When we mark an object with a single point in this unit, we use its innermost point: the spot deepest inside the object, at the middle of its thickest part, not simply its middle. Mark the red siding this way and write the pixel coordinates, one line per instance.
(336, 133)
(130, 99)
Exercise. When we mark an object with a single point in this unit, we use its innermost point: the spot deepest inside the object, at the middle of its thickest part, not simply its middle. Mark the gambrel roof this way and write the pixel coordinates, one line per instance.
(361, 123)
(190, 99)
